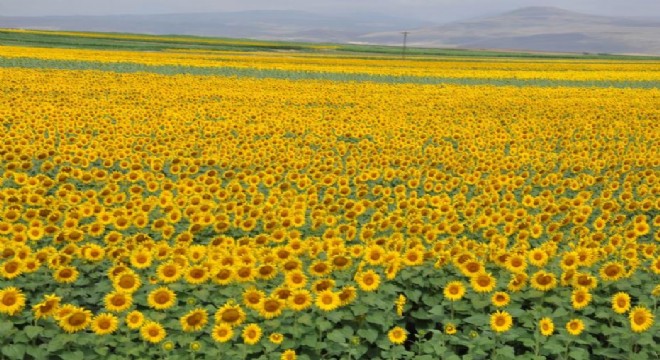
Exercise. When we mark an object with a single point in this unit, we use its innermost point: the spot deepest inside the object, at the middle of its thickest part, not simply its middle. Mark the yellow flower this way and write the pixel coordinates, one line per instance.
(483, 282)
(300, 300)
(368, 280)
(194, 320)
(134, 319)
(276, 338)
(501, 321)
(580, 298)
(397, 335)
(12, 301)
(78, 319)
(450, 329)
(543, 280)
(327, 300)
(612, 271)
(454, 291)
(546, 326)
(251, 334)
(161, 298)
(641, 319)
(231, 314)
(48, 307)
(400, 303)
(575, 327)
(152, 332)
(66, 275)
(222, 332)
(621, 302)
(104, 324)
(500, 299)
(117, 301)
(288, 355)
(271, 307)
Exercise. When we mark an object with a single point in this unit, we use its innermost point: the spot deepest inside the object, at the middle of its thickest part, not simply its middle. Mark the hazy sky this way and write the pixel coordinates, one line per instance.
(434, 10)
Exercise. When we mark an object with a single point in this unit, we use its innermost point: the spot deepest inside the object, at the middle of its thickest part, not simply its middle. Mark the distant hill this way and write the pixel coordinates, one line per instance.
(538, 29)
(265, 24)
(545, 29)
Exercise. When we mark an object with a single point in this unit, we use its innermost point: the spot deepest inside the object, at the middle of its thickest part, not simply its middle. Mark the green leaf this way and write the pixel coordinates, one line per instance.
(477, 320)
(14, 351)
(73, 355)
(38, 353)
(506, 352)
(6, 327)
(368, 334)
(337, 336)
(578, 353)
(32, 331)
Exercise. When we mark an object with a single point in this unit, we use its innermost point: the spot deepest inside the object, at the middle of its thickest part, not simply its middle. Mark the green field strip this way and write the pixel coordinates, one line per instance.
(32, 63)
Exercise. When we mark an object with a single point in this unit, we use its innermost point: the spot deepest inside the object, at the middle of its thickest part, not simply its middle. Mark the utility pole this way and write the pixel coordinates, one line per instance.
(405, 39)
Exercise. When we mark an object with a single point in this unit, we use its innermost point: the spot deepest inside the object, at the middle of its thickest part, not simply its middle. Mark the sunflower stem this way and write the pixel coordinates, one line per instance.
(568, 346)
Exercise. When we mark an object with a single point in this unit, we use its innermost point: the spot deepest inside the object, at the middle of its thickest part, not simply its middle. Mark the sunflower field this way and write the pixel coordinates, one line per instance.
(194, 205)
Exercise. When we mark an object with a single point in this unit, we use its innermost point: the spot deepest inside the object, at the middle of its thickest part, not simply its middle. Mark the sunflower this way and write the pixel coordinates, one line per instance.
(11, 269)
(288, 355)
(134, 319)
(538, 257)
(48, 307)
(483, 282)
(271, 307)
(251, 334)
(543, 280)
(368, 280)
(194, 320)
(66, 275)
(222, 332)
(374, 255)
(454, 291)
(295, 279)
(641, 319)
(575, 327)
(347, 295)
(76, 320)
(223, 275)
(327, 300)
(141, 259)
(397, 335)
(117, 301)
(580, 298)
(252, 298)
(300, 300)
(276, 338)
(230, 314)
(169, 272)
(546, 326)
(197, 274)
(501, 321)
(152, 332)
(516, 263)
(500, 299)
(127, 282)
(450, 329)
(161, 298)
(612, 271)
(104, 324)
(12, 301)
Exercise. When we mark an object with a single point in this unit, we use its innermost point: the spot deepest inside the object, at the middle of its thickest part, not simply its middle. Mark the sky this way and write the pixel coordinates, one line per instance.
(430, 10)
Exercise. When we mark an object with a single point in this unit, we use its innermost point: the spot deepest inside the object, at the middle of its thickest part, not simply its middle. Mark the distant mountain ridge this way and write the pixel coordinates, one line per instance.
(539, 29)
(546, 29)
